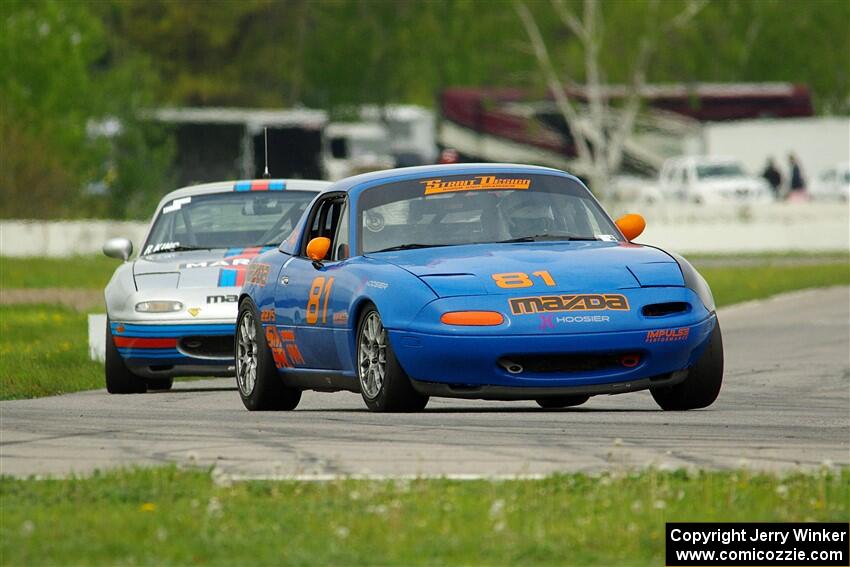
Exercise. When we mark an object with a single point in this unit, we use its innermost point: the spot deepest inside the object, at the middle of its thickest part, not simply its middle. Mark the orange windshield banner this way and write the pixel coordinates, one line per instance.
(479, 182)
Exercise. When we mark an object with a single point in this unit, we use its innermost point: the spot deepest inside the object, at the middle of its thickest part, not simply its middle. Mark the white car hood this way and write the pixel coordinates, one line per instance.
(193, 269)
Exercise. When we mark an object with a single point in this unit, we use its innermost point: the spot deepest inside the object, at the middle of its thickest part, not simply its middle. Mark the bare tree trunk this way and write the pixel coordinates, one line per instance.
(553, 81)
(608, 147)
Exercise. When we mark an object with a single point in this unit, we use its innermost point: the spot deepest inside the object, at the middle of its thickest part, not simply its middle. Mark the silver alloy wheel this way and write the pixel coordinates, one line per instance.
(372, 355)
(246, 355)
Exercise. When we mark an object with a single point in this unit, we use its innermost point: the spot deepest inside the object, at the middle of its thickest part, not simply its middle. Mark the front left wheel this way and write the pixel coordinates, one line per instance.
(384, 385)
(260, 386)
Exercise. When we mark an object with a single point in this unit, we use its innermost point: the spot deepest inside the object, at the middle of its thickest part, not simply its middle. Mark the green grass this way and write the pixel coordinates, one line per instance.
(735, 284)
(181, 517)
(768, 257)
(44, 351)
(91, 272)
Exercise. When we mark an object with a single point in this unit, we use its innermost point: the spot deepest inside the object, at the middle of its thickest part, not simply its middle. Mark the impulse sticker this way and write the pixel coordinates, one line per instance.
(667, 335)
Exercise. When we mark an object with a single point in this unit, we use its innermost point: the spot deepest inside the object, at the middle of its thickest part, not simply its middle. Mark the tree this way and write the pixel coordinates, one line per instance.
(600, 135)
(56, 84)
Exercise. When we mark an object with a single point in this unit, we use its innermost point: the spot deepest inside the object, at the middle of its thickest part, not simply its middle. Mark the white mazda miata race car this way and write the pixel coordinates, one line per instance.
(172, 311)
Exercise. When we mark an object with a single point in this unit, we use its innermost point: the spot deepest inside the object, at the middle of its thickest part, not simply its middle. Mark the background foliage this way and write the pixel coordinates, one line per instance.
(66, 63)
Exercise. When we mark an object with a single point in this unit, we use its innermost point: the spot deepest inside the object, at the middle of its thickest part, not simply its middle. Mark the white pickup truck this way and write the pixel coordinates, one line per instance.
(711, 179)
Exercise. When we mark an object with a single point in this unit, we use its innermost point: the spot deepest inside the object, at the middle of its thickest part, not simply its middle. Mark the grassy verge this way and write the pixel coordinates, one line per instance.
(171, 516)
(92, 272)
(735, 284)
(44, 351)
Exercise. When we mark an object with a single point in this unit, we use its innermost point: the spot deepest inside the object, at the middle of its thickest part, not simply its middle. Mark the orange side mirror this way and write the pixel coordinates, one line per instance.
(631, 225)
(317, 249)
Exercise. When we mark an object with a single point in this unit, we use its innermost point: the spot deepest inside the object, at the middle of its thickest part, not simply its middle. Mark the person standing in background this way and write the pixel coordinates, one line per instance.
(772, 176)
(798, 182)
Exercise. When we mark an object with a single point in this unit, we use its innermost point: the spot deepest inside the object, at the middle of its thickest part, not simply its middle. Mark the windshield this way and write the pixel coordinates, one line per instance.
(719, 170)
(471, 209)
(227, 220)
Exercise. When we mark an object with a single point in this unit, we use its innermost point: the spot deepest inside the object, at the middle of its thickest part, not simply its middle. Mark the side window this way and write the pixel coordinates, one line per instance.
(684, 175)
(342, 249)
(325, 222)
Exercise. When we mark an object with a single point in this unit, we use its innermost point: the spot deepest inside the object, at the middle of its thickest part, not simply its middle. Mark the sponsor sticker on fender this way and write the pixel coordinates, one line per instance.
(257, 274)
(667, 335)
(477, 183)
(560, 303)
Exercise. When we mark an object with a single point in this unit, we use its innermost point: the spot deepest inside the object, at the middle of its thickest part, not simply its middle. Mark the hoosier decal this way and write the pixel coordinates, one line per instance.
(479, 182)
(559, 303)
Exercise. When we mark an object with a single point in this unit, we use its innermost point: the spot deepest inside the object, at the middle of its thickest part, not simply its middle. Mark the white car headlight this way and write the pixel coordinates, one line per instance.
(159, 306)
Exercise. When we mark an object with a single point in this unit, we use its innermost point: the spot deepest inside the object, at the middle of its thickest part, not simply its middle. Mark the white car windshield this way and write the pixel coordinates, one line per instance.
(719, 170)
(472, 209)
(227, 220)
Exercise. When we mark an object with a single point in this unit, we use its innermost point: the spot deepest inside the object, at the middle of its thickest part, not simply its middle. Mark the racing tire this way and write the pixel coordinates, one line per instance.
(384, 385)
(702, 385)
(119, 378)
(559, 402)
(161, 384)
(260, 386)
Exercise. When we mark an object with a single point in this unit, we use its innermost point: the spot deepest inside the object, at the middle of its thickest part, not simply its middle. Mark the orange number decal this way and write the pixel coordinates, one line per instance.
(546, 277)
(317, 288)
(313, 301)
(511, 280)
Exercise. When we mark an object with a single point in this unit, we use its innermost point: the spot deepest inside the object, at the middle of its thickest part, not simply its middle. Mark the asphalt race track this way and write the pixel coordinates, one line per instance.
(785, 404)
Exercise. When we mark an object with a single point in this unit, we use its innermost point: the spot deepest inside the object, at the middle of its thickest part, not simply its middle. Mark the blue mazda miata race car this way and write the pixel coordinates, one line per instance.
(504, 282)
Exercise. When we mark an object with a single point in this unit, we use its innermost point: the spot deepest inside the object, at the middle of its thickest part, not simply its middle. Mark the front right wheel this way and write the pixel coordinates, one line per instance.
(119, 378)
(260, 386)
(702, 385)
(384, 385)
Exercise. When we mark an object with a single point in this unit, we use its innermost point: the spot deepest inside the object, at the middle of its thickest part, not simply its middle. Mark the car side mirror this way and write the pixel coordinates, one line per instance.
(317, 249)
(631, 225)
(120, 248)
